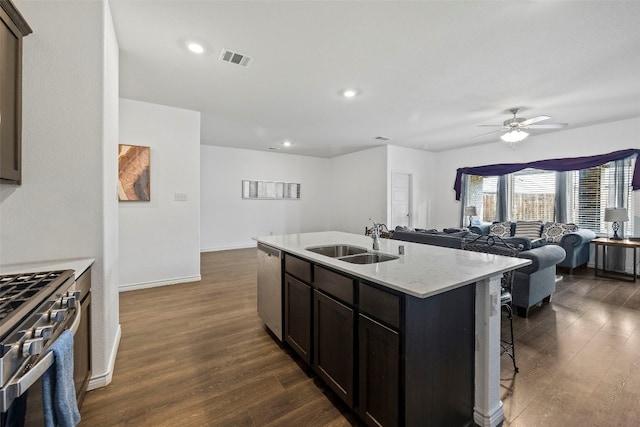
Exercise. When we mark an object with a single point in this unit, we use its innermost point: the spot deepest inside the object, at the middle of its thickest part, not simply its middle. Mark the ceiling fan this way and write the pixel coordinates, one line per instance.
(514, 127)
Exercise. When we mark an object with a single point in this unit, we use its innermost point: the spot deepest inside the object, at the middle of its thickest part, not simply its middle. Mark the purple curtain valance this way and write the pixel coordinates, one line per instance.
(558, 165)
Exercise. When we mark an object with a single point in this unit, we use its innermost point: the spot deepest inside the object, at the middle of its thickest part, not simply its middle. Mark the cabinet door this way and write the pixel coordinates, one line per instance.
(297, 316)
(333, 344)
(379, 371)
(10, 104)
(82, 351)
(82, 338)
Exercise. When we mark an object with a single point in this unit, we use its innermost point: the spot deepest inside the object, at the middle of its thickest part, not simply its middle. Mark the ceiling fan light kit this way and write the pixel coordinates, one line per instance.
(514, 127)
(514, 136)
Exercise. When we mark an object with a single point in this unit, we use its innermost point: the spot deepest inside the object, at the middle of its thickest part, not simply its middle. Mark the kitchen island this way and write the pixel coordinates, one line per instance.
(413, 340)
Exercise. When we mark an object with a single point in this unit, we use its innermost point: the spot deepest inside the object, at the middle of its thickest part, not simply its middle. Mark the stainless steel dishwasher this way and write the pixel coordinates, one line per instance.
(270, 288)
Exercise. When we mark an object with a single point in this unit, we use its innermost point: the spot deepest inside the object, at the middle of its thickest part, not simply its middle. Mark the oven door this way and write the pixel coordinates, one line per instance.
(25, 392)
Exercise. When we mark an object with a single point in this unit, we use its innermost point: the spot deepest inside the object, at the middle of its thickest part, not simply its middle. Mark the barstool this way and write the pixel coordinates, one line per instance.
(495, 245)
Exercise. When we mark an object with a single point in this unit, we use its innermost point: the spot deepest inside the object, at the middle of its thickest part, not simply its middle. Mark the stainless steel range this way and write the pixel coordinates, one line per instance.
(34, 309)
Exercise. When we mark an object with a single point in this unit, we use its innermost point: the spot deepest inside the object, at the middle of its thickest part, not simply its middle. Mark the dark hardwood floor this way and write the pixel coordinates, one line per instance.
(196, 354)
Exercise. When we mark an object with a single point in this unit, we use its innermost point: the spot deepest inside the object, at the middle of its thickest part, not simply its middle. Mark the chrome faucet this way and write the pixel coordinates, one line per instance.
(375, 235)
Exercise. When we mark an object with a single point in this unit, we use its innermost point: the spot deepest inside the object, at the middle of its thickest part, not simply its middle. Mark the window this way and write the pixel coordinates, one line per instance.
(594, 189)
(533, 195)
(583, 195)
(481, 192)
(489, 199)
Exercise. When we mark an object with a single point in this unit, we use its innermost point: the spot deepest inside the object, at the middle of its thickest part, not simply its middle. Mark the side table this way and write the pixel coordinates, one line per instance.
(624, 243)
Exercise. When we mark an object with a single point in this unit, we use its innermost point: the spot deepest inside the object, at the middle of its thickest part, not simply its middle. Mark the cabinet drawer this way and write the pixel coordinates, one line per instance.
(334, 284)
(298, 268)
(380, 304)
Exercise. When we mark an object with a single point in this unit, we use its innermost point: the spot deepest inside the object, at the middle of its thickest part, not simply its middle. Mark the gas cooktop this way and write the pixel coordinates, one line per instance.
(21, 293)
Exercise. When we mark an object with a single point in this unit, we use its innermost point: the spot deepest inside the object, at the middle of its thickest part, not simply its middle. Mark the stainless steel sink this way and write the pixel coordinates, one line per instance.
(368, 258)
(337, 251)
(352, 254)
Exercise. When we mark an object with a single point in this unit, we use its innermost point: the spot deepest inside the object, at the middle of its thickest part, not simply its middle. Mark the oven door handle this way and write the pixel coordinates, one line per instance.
(19, 386)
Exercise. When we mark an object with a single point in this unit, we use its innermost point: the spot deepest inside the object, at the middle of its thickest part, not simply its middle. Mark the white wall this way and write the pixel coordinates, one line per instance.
(64, 208)
(584, 141)
(160, 239)
(228, 221)
(421, 165)
(358, 189)
(106, 336)
(340, 194)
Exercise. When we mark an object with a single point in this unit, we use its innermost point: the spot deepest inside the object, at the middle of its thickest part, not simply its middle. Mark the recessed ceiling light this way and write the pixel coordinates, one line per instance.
(195, 47)
(287, 143)
(349, 93)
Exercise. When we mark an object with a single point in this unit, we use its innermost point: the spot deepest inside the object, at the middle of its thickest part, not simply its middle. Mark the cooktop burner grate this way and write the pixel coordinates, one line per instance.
(21, 293)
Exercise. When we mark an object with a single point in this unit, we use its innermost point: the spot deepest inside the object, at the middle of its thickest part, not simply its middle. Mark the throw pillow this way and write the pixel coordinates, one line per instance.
(554, 231)
(530, 229)
(500, 229)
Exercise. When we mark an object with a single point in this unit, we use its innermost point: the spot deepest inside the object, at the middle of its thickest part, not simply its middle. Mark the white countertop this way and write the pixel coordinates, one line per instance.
(423, 270)
(80, 265)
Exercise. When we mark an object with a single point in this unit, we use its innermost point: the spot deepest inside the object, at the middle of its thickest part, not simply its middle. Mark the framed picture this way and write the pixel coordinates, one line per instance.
(270, 190)
(134, 179)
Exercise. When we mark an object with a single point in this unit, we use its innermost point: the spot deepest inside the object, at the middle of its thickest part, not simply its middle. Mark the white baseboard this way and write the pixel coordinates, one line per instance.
(226, 248)
(102, 380)
(155, 283)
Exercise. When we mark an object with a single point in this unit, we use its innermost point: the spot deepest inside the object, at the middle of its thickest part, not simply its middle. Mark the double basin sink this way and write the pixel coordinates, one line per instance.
(352, 254)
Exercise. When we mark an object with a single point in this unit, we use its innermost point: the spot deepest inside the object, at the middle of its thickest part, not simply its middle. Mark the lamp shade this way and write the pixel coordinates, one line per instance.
(616, 215)
(470, 211)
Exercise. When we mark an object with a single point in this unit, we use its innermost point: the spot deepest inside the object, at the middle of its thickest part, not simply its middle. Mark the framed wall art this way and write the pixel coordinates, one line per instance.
(270, 190)
(134, 179)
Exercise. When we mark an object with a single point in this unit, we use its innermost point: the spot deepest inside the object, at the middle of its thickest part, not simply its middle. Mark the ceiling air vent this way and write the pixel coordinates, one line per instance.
(235, 58)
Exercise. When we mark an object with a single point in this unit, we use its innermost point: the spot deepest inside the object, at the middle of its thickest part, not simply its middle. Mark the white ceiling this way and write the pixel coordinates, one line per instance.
(429, 72)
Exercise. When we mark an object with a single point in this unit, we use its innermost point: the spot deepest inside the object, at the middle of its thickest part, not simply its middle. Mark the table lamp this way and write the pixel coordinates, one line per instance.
(616, 216)
(470, 211)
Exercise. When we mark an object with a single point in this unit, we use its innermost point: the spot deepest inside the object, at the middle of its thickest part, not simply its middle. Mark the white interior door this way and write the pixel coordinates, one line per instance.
(400, 199)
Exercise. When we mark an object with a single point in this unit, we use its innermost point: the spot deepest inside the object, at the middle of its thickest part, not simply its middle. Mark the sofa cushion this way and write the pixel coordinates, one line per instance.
(448, 240)
(553, 231)
(500, 229)
(530, 229)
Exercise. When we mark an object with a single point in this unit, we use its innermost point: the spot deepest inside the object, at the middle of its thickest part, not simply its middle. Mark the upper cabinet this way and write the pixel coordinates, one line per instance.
(12, 30)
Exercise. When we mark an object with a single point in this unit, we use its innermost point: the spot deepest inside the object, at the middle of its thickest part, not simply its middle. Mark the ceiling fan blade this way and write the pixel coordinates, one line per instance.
(549, 126)
(483, 134)
(533, 120)
(491, 126)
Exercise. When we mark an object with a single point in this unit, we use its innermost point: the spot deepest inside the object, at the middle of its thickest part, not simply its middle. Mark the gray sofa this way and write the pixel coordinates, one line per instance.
(575, 244)
(533, 284)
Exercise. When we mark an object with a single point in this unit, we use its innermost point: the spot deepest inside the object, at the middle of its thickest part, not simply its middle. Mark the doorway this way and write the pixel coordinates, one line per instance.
(400, 199)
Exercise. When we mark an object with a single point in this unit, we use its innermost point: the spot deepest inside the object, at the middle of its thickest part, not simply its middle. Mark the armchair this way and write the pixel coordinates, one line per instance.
(575, 244)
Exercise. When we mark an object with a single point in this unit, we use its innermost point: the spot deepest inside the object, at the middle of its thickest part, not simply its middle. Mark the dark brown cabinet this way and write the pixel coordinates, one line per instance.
(379, 373)
(82, 338)
(297, 316)
(333, 344)
(13, 28)
(395, 359)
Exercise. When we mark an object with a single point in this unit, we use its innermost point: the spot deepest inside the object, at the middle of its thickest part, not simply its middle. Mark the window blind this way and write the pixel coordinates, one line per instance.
(533, 195)
(594, 189)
